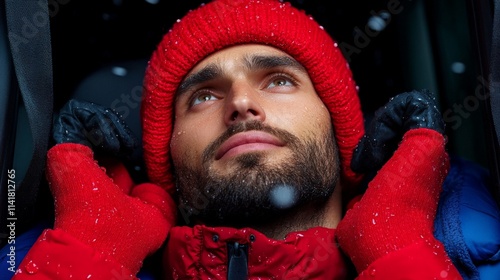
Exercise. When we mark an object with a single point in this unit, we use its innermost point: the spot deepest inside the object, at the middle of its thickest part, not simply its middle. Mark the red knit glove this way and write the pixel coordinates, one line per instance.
(120, 223)
(399, 206)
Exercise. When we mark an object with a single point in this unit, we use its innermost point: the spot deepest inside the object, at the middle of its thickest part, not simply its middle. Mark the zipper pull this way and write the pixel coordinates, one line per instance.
(237, 267)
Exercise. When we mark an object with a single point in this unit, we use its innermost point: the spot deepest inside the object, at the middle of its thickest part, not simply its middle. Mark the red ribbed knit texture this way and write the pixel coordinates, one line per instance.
(399, 206)
(114, 220)
(224, 23)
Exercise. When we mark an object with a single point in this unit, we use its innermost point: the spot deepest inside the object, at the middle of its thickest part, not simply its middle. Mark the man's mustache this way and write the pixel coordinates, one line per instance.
(283, 135)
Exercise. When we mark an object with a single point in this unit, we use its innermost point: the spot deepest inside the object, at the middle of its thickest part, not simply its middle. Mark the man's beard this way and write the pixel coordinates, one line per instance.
(257, 192)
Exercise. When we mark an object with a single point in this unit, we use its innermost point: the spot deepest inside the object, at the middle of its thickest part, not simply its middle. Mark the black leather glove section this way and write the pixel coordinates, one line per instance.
(95, 126)
(405, 111)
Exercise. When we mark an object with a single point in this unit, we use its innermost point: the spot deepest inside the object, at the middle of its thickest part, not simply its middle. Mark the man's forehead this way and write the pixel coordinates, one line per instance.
(248, 55)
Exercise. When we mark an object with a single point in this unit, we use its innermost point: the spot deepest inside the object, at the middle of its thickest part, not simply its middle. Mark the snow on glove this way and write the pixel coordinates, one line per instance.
(122, 223)
(93, 209)
(399, 206)
(93, 126)
(403, 112)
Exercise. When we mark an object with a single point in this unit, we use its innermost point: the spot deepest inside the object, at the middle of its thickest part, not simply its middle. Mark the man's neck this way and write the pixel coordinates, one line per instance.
(316, 214)
(327, 214)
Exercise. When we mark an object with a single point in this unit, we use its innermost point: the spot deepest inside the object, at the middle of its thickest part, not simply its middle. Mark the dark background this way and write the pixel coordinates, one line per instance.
(418, 49)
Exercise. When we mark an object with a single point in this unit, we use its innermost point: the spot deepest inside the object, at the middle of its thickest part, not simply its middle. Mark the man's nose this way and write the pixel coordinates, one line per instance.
(243, 104)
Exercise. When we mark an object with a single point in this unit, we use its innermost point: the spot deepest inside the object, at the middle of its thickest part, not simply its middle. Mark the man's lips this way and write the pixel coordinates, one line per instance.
(247, 141)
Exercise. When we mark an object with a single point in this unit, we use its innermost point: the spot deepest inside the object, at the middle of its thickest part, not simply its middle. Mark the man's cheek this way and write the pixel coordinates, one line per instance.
(186, 148)
(176, 147)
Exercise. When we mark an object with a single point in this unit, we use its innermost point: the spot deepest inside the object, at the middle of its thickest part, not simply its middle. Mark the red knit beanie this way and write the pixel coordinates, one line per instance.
(224, 23)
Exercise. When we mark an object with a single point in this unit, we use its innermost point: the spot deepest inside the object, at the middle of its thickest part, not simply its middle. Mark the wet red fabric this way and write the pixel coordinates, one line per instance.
(106, 210)
(201, 253)
(58, 255)
(423, 260)
(399, 206)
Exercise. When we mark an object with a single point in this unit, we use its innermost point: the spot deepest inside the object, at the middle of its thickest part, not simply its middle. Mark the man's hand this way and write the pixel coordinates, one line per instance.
(406, 111)
(399, 206)
(94, 126)
(98, 205)
(126, 225)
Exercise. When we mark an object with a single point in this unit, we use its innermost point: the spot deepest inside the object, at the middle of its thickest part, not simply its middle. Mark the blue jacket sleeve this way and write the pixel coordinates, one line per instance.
(468, 221)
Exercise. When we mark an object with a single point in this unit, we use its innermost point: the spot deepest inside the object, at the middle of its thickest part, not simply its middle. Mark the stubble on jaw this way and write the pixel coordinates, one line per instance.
(241, 198)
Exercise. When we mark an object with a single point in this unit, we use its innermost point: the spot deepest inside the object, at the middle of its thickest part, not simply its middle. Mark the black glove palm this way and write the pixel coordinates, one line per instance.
(403, 112)
(92, 125)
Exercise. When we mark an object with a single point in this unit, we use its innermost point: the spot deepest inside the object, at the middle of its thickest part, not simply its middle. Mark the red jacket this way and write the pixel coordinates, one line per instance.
(202, 253)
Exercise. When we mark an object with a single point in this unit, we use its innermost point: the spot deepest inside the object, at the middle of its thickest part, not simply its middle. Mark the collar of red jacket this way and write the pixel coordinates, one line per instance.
(201, 252)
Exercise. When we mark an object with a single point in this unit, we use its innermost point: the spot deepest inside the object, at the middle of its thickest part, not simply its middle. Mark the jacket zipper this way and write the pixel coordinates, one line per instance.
(237, 255)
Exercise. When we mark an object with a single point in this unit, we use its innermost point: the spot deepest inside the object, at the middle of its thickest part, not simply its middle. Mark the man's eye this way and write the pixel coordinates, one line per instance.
(202, 98)
(280, 82)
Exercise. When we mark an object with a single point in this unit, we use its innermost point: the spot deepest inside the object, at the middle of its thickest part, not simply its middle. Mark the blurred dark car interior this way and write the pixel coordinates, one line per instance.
(392, 46)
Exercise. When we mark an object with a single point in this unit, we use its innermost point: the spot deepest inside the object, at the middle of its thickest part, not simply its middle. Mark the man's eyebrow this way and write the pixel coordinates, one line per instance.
(269, 62)
(252, 62)
(208, 73)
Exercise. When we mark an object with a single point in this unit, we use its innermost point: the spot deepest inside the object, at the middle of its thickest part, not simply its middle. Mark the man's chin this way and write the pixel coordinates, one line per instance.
(247, 162)
(250, 160)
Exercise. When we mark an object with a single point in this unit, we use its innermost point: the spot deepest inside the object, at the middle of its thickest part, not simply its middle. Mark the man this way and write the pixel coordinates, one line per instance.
(250, 121)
